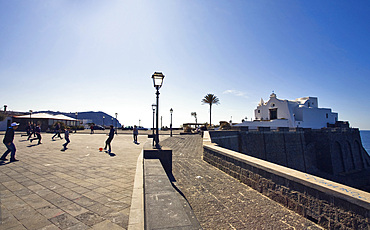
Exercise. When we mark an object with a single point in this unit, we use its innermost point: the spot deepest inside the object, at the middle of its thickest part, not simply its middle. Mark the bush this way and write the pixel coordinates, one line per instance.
(225, 126)
(187, 129)
(79, 127)
(61, 124)
(2, 116)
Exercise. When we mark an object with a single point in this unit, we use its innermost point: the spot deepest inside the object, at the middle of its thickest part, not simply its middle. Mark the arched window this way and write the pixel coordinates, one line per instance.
(349, 151)
(339, 154)
(358, 152)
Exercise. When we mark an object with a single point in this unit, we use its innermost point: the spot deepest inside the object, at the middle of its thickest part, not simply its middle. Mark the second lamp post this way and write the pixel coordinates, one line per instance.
(157, 81)
(171, 111)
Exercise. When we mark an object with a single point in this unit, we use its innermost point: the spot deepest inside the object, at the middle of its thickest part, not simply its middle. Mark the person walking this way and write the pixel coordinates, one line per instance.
(38, 134)
(57, 131)
(109, 140)
(66, 137)
(32, 131)
(28, 130)
(135, 132)
(92, 129)
(8, 142)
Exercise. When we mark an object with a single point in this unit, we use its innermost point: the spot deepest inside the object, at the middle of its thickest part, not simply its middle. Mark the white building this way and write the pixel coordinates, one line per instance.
(302, 112)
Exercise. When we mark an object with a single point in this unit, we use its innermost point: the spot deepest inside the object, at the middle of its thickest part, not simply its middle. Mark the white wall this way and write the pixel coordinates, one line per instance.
(3, 124)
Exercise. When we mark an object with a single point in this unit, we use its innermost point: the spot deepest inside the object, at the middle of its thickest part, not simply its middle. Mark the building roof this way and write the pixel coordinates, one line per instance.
(46, 116)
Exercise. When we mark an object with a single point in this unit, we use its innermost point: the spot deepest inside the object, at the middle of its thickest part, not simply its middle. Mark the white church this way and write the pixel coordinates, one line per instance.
(302, 112)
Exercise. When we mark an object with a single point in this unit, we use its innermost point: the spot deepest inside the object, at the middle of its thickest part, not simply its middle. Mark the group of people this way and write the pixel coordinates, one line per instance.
(36, 131)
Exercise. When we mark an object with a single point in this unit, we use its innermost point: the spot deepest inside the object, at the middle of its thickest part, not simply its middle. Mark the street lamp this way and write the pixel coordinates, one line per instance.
(103, 120)
(157, 82)
(30, 115)
(116, 123)
(153, 108)
(76, 113)
(171, 111)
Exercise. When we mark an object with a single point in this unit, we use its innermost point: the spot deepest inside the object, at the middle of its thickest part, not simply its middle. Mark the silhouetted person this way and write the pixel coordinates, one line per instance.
(135, 133)
(38, 134)
(57, 131)
(28, 130)
(109, 140)
(8, 142)
(92, 129)
(32, 131)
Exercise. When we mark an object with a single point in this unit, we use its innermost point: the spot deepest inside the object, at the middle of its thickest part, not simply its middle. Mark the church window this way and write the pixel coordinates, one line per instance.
(327, 115)
(259, 111)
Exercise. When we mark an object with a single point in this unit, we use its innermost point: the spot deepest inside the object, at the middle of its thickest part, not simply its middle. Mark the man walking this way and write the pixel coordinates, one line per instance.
(135, 132)
(38, 134)
(109, 140)
(8, 142)
(57, 131)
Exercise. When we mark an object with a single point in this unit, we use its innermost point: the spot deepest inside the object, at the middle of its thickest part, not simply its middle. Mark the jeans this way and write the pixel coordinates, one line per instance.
(67, 142)
(107, 143)
(11, 148)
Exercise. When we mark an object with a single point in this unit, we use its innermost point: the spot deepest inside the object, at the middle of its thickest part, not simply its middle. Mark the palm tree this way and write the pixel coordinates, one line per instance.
(210, 99)
(194, 114)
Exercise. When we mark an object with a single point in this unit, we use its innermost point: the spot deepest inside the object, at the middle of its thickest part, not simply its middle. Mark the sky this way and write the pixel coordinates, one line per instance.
(91, 55)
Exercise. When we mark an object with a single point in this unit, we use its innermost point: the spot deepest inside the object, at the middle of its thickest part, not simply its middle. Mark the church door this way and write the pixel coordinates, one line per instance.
(273, 114)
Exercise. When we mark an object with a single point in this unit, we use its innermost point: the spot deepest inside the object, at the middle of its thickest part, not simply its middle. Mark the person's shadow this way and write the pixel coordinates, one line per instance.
(111, 154)
(4, 162)
(23, 140)
(29, 146)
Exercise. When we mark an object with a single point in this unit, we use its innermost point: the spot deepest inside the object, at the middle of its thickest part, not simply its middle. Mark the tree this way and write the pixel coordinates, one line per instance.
(210, 99)
(194, 114)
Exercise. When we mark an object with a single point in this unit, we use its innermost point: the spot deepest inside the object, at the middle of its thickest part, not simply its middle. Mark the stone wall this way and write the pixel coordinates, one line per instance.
(331, 205)
(334, 154)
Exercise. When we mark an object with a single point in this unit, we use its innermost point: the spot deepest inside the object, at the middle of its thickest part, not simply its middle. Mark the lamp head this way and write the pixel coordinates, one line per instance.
(158, 79)
(171, 110)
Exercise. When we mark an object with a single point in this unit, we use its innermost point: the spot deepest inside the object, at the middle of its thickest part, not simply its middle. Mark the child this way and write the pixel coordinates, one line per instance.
(66, 136)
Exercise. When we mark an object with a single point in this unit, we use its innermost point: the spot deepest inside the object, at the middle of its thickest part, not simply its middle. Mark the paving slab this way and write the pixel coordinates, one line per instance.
(80, 188)
(218, 200)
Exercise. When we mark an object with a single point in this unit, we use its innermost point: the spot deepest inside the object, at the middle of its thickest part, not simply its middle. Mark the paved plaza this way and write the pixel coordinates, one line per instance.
(83, 188)
(80, 188)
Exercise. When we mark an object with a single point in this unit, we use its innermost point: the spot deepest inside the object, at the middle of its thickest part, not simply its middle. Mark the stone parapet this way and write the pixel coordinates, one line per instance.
(331, 205)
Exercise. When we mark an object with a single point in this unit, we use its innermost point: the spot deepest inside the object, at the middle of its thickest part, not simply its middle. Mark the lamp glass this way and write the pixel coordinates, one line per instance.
(154, 106)
(158, 79)
(171, 110)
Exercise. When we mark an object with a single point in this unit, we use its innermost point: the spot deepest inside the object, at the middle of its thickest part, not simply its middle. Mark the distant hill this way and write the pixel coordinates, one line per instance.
(95, 117)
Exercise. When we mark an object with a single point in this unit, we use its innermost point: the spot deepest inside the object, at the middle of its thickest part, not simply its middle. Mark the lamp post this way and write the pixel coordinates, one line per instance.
(76, 113)
(171, 111)
(103, 120)
(30, 115)
(116, 123)
(153, 108)
(157, 81)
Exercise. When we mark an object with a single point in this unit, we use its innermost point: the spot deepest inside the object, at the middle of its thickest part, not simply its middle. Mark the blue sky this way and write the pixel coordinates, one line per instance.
(99, 56)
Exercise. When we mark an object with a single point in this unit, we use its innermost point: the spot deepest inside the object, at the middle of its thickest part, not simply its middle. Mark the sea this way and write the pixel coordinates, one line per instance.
(365, 138)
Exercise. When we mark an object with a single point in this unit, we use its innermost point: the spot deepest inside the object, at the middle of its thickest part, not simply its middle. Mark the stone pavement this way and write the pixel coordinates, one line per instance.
(219, 201)
(80, 188)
